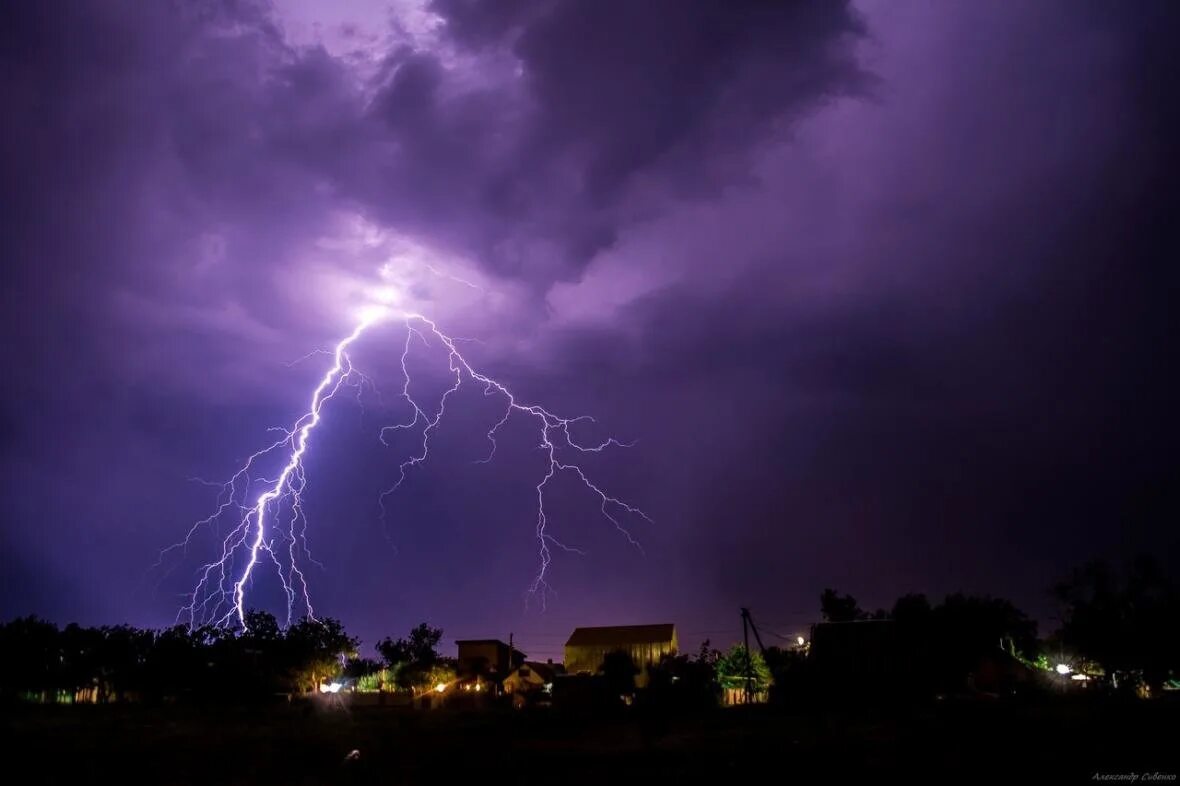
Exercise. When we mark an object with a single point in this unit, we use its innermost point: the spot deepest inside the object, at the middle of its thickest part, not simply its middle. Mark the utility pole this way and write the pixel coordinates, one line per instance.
(747, 626)
(748, 694)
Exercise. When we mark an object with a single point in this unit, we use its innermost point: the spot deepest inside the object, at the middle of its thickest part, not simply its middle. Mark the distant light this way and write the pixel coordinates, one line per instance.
(1063, 669)
(440, 687)
(478, 687)
(800, 641)
(332, 687)
(1079, 677)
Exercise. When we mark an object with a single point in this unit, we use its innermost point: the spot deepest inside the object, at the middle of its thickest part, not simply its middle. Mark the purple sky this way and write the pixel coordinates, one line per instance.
(882, 290)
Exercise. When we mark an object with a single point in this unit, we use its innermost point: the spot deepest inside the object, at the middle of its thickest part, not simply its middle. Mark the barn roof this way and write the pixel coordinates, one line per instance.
(621, 635)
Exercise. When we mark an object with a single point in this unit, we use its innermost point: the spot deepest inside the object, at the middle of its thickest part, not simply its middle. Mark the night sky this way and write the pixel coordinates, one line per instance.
(882, 292)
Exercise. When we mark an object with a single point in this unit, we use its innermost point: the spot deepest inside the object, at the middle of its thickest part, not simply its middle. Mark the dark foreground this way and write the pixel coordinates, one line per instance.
(1067, 741)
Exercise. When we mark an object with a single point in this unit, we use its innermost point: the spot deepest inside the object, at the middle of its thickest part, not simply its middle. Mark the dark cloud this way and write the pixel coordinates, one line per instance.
(620, 86)
(528, 161)
(591, 97)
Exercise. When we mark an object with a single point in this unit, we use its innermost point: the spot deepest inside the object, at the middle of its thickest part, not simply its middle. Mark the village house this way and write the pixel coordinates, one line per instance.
(530, 681)
(487, 657)
(482, 664)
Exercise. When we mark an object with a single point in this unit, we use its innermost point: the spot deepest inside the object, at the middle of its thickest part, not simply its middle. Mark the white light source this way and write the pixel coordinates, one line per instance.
(439, 688)
(1063, 669)
(373, 312)
(800, 641)
(379, 303)
(332, 687)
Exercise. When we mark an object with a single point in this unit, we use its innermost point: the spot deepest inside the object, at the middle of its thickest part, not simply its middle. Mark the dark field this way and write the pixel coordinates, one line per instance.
(1066, 741)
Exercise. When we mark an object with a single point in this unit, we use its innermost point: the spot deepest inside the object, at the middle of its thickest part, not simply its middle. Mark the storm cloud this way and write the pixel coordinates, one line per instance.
(881, 290)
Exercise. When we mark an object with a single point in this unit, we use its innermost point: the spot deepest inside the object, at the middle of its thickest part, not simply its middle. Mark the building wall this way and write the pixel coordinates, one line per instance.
(587, 659)
(517, 682)
(494, 654)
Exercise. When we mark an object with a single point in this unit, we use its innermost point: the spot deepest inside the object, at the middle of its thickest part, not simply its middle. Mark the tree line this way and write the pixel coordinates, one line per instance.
(1116, 625)
(1118, 631)
(40, 662)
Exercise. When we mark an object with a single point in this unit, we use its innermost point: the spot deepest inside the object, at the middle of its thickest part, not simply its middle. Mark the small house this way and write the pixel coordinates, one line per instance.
(529, 680)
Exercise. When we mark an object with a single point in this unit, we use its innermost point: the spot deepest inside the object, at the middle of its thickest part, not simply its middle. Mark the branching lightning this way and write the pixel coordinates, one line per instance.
(270, 527)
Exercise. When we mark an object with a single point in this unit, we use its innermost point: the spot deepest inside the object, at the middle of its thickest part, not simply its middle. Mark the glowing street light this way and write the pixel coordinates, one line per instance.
(439, 688)
(800, 641)
(1063, 669)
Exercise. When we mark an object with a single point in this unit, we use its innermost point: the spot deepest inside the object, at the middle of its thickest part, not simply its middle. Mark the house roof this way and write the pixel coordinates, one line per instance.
(514, 654)
(546, 671)
(621, 635)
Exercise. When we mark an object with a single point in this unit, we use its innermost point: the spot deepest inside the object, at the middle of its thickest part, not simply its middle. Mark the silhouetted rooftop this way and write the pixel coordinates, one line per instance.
(621, 634)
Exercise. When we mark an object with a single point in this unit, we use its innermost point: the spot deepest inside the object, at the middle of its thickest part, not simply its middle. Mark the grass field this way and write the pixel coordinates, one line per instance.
(310, 743)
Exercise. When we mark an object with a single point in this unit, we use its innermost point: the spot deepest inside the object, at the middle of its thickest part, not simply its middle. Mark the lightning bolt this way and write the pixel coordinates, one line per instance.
(269, 526)
(456, 279)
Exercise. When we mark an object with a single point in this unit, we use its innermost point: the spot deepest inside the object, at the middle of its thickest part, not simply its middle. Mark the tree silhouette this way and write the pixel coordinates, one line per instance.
(1125, 620)
(619, 670)
(80, 650)
(412, 659)
(839, 608)
(965, 628)
(318, 650)
(683, 682)
(911, 609)
(29, 656)
(420, 648)
(116, 663)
